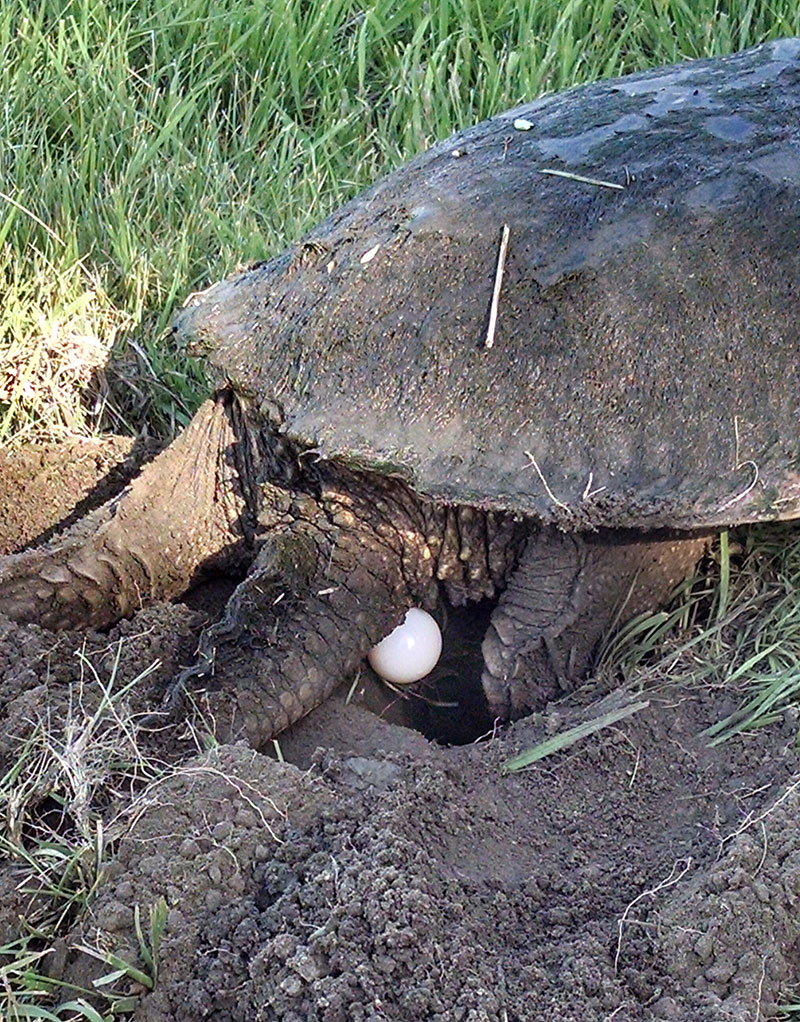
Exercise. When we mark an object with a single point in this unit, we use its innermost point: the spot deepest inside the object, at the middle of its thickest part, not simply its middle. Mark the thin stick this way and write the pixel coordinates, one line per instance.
(498, 283)
(749, 821)
(746, 490)
(679, 870)
(581, 178)
(550, 494)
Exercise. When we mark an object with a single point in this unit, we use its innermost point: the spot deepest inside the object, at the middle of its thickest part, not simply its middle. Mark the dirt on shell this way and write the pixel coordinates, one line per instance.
(373, 875)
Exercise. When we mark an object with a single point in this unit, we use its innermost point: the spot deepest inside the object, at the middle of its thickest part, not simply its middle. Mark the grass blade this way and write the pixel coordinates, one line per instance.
(570, 737)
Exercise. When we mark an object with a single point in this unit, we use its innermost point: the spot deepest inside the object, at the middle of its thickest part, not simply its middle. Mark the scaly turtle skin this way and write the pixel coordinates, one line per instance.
(366, 449)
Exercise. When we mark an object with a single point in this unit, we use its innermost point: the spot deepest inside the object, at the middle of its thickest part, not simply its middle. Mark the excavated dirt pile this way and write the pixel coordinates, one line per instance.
(374, 875)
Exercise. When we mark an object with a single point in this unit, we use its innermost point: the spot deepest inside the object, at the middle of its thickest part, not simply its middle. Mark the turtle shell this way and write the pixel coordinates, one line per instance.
(643, 368)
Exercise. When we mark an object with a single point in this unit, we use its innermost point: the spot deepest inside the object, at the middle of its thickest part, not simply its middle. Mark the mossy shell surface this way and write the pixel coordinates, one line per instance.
(645, 367)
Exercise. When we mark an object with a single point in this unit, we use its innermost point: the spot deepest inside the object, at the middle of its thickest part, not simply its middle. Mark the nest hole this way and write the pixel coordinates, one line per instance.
(448, 706)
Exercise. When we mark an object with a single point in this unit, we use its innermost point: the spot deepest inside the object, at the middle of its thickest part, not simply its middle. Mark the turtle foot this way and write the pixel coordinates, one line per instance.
(568, 593)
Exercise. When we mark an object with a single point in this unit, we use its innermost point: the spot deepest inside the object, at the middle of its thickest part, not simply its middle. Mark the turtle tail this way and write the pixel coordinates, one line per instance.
(185, 514)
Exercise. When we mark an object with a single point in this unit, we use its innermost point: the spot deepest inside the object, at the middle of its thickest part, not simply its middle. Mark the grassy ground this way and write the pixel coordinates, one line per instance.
(147, 147)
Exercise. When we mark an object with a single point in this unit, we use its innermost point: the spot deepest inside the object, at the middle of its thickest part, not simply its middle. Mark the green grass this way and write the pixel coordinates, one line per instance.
(735, 626)
(65, 801)
(147, 147)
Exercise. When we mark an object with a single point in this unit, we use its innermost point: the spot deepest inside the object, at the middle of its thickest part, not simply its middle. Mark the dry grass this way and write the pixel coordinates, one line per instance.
(65, 801)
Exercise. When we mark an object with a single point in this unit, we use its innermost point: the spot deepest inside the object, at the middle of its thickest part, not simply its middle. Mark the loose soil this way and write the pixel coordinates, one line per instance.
(374, 875)
(47, 487)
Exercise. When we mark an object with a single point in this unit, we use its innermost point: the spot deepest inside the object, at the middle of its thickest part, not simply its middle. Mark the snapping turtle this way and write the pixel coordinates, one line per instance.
(538, 364)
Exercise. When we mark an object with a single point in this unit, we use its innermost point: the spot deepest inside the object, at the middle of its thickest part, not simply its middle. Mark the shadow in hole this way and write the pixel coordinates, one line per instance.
(448, 706)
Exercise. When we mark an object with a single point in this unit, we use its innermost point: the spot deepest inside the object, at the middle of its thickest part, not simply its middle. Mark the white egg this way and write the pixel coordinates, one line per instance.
(410, 652)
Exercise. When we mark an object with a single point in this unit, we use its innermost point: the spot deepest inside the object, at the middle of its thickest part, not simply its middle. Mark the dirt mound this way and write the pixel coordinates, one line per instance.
(377, 876)
(47, 486)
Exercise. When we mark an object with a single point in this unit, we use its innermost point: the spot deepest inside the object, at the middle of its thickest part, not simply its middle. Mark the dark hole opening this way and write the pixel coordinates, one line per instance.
(448, 706)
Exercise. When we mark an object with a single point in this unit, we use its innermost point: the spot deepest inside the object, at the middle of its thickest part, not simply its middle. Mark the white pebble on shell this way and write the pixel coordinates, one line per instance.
(410, 652)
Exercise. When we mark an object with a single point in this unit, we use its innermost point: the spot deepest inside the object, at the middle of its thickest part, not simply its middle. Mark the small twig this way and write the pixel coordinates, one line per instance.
(760, 991)
(581, 178)
(751, 821)
(669, 881)
(635, 770)
(737, 465)
(194, 295)
(489, 735)
(498, 283)
(550, 494)
(745, 491)
(763, 858)
(588, 492)
(352, 690)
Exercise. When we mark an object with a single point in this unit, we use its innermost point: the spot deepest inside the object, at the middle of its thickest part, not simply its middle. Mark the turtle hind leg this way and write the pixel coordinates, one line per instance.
(332, 578)
(184, 512)
(565, 595)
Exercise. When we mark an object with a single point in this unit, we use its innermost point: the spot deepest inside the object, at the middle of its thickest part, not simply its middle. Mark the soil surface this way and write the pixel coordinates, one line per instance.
(47, 487)
(374, 875)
